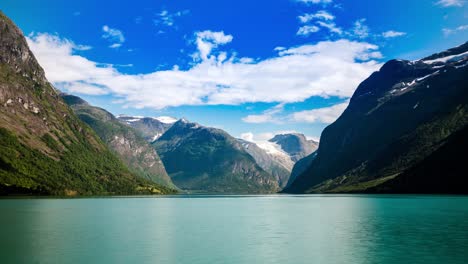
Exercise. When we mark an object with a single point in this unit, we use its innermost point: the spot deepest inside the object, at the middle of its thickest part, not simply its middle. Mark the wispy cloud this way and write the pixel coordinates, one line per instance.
(328, 68)
(331, 26)
(449, 3)
(393, 34)
(450, 31)
(321, 15)
(167, 18)
(313, 22)
(276, 115)
(325, 115)
(268, 116)
(315, 1)
(360, 29)
(265, 136)
(307, 30)
(114, 36)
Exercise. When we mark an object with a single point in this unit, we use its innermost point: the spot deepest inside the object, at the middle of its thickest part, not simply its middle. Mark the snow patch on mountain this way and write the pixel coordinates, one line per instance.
(166, 119)
(451, 58)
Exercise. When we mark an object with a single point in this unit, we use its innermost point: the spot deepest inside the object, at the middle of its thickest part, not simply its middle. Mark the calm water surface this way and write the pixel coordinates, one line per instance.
(236, 229)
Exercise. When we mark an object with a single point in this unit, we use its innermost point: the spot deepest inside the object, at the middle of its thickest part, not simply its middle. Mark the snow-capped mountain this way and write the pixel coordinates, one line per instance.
(279, 154)
(404, 131)
(150, 127)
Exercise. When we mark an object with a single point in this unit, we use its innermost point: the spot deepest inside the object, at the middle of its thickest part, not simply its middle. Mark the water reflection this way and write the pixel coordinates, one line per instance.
(240, 229)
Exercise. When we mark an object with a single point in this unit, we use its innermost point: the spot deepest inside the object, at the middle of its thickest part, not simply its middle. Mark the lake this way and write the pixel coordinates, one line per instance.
(236, 229)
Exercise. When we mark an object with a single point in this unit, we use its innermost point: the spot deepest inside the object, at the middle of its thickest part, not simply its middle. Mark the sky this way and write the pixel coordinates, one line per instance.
(252, 68)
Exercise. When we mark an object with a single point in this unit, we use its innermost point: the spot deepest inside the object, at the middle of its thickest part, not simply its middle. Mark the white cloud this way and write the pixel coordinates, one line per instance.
(114, 36)
(325, 115)
(448, 3)
(262, 137)
(360, 29)
(168, 19)
(307, 30)
(450, 31)
(321, 15)
(83, 88)
(208, 40)
(315, 1)
(268, 116)
(393, 34)
(329, 68)
(331, 26)
(248, 136)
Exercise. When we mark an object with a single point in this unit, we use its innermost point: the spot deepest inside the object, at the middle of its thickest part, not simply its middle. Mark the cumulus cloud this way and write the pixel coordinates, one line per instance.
(449, 3)
(392, 34)
(328, 68)
(114, 36)
(325, 115)
(208, 40)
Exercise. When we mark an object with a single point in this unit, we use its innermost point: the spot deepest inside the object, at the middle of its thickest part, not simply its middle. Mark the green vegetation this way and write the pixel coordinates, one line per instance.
(44, 147)
(206, 159)
(135, 152)
(386, 139)
(81, 170)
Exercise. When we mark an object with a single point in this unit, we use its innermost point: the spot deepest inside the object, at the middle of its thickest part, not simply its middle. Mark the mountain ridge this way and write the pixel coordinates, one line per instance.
(396, 118)
(44, 147)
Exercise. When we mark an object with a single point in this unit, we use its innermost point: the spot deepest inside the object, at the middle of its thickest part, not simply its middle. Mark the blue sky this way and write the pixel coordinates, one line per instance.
(253, 68)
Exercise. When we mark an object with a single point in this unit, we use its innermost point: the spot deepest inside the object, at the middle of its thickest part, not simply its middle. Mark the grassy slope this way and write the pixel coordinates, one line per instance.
(49, 151)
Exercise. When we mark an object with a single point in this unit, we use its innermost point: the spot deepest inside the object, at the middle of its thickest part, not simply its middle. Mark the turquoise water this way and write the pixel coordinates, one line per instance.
(236, 229)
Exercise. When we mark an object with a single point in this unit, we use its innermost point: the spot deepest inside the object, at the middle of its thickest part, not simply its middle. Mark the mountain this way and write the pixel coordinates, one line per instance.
(150, 127)
(404, 131)
(278, 155)
(295, 144)
(299, 167)
(275, 163)
(44, 147)
(205, 159)
(135, 152)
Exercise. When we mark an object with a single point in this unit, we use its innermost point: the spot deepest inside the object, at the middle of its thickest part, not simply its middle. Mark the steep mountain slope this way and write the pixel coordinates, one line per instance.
(139, 156)
(206, 159)
(44, 147)
(441, 172)
(400, 117)
(278, 155)
(150, 127)
(270, 162)
(300, 166)
(295, 144)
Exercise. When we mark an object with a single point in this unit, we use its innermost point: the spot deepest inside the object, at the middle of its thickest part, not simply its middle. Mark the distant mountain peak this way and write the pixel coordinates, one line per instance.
(166, 119)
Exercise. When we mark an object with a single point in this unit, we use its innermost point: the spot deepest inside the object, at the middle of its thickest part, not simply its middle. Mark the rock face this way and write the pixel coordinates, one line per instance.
(205, 159)
(296, 145)
(403, 131)
(150, 127)
(279, 154)
(279, 166)
(44, 147)
(135, 152)
(300, 166)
